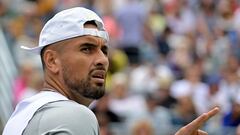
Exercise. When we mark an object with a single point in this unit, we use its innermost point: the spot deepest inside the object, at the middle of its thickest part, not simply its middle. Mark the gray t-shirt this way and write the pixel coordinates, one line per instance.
(63, 118)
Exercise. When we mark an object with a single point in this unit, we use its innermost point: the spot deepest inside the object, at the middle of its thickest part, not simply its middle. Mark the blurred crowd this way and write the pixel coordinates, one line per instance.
(170, 61)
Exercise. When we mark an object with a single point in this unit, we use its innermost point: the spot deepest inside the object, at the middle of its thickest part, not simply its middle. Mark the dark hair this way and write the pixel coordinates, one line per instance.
(91, 22)
(42, 59)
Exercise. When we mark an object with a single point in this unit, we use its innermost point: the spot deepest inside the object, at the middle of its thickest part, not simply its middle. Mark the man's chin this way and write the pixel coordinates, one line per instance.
(96, 96)
(95, 92)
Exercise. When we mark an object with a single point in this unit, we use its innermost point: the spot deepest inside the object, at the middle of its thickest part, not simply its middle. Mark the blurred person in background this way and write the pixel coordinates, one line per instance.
(165, 98)
(235, 35)
(225, 14)
(123, 103)
(132, 22)
(215, 96)
(231, 119)
(238, 130)
(163, 45)
(104, 124)
(230, 84)
(156, 19)
(179, 17)
(22, 81)
(142, 127)
(106, 117)
(206, 17)
(118, 62)
(145, 78)
(184, 111)
(33, 86)
(159, 116)
(191, 85)
(219, 49)
(3, 11)
(102, 106)
(180, 56)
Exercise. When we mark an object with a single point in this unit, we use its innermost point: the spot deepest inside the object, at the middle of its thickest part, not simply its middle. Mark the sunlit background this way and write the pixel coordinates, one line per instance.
(170, 61)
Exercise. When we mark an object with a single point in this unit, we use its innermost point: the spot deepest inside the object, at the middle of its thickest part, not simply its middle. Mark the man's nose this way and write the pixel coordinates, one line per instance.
(102, 59)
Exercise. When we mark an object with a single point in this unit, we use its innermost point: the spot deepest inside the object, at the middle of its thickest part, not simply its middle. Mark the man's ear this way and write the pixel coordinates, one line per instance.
(52, 61)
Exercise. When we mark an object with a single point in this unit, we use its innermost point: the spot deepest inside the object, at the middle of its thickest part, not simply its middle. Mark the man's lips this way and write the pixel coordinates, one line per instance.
(99, 76)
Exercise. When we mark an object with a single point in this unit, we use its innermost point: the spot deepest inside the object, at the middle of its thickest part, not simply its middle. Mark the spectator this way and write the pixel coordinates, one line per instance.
(238, 130)
(102, 108)
(22, 81)
(33, 85)
(144, 79)
(159, 116)
(230, 84)
(142, 127)
(184, 112)
(122, 102)
(232, 119)
(165, 98)
(179, 17)
(132, 22)
(192, 86)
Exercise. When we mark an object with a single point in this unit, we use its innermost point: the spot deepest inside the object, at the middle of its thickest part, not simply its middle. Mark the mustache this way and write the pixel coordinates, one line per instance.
(98, 67)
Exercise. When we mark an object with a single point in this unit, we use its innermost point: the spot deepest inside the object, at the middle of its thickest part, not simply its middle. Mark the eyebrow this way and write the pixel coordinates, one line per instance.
(93, 45)
(90, 40)
(87, 44)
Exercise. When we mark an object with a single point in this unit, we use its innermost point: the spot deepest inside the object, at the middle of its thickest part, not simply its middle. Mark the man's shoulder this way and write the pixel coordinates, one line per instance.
(63, 116)
(66, 107)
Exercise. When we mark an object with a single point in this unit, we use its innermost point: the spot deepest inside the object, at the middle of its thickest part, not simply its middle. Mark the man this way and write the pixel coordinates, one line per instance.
(73, 48)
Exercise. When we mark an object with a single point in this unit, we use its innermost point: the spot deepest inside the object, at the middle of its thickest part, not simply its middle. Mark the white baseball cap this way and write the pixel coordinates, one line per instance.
(68, 24)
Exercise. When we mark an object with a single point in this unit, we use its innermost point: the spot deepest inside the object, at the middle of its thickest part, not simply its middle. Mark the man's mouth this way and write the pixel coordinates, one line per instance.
(99, 76)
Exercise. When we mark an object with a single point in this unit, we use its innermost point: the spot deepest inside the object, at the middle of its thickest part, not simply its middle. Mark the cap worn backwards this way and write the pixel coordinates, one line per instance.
(68, 24)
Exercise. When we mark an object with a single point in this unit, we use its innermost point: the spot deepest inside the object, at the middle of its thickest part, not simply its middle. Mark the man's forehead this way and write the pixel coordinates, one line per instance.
(78, 41)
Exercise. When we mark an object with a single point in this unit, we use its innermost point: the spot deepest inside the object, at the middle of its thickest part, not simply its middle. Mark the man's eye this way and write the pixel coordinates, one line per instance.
(86, 50)
(105, 52)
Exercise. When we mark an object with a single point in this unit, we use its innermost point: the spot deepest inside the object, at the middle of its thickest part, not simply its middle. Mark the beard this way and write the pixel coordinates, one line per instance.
(84, 86)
